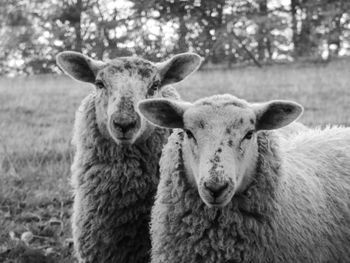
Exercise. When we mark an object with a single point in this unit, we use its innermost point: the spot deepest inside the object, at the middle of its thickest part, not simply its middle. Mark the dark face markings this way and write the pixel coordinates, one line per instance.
(127, 65)
(145, 72)
(201, 124)
(230, 143)
(132, 66)
(215, 164)
(218, 150)
(234, 103)
(117, 69)
(111, 71)
(216, 159)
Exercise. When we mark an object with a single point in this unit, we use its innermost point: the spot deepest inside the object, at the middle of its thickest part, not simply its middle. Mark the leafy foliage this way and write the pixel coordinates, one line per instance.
(223, 31)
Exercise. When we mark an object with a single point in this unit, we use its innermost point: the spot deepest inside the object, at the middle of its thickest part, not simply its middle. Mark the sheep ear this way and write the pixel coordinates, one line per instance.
(178, 67)
(164, 113)
(79, 66)
(276, 114)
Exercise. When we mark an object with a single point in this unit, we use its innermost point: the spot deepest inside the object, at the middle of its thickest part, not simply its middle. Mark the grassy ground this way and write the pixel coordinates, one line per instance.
(36, 118)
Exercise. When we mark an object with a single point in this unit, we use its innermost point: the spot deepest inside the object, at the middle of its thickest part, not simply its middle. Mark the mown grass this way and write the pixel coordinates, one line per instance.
(36, 119)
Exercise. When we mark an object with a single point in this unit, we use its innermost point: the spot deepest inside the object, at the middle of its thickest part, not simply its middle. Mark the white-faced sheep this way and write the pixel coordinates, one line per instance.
(231, 191)
(115, 169)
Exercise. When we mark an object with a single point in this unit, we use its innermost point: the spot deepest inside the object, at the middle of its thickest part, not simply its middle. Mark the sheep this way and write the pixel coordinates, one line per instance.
(292, 130)
(115, 168)
(231, 191)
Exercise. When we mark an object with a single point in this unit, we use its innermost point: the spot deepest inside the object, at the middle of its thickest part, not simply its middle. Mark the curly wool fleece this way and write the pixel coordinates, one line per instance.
(280, 217)
(114, 188)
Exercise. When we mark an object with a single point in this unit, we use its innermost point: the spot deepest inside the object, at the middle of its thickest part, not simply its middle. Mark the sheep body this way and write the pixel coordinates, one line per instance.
(114, 188)
(297, 208)
(291, 130)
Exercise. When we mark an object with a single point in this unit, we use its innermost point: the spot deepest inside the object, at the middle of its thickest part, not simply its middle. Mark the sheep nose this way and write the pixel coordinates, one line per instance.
(124, 127)
(216, 189)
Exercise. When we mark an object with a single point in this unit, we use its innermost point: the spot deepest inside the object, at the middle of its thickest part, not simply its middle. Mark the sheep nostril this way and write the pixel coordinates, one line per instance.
(124, 127)
(216, 189)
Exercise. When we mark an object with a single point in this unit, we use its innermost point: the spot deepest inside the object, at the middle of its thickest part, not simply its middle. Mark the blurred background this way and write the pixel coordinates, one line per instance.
(255, 49)
(225, 32)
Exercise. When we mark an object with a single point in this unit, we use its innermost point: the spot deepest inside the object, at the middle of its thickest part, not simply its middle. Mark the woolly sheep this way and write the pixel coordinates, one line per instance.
(232, 191)
(115, 169)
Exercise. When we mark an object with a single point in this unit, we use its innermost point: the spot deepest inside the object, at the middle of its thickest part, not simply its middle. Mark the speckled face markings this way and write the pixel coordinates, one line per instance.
(207, 103)
(140, 67)
(125, 81)
(236, 103)
(230, 143)
(201, 124)
(115, 69)
(216, 169)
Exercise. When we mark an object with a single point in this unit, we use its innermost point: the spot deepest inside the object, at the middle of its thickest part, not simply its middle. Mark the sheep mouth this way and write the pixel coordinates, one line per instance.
(127, 136)
(217, 203)
(124, 139)
(220, 201)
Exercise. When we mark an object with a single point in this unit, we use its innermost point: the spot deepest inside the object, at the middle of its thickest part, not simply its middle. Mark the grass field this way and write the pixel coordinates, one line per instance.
(36, 119)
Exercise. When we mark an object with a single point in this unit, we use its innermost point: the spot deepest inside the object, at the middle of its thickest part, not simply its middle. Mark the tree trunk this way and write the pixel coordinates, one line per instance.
(293, 10)
(304, 41)
(77, 27)
(335, 34)
(182, 45)
(100, 47)
(262, 31)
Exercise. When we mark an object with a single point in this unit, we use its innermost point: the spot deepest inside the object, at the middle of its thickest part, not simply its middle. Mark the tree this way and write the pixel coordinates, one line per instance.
(222, 31)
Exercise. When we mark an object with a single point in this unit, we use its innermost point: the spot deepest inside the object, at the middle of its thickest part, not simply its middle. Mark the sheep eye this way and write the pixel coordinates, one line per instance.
(153, 88)
(155, 85)
(100, 85)
(189, 134)
(249, 135)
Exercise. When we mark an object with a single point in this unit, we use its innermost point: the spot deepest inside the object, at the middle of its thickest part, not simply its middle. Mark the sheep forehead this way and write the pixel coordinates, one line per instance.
(220, 112)
(222, 100)
(127, 70)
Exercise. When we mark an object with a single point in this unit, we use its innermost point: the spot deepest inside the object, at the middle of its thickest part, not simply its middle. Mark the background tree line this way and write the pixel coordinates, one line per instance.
(225, 32)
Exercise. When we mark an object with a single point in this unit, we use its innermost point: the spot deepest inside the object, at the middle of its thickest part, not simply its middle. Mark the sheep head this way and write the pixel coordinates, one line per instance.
(121, 83)
(220, 147)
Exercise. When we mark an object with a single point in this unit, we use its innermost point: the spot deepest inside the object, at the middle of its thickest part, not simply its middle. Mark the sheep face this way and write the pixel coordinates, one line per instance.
(220, 143)
(219, 148)
(121, 83)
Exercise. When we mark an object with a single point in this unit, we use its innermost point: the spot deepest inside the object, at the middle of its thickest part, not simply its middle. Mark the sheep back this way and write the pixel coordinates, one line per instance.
(313, 219)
